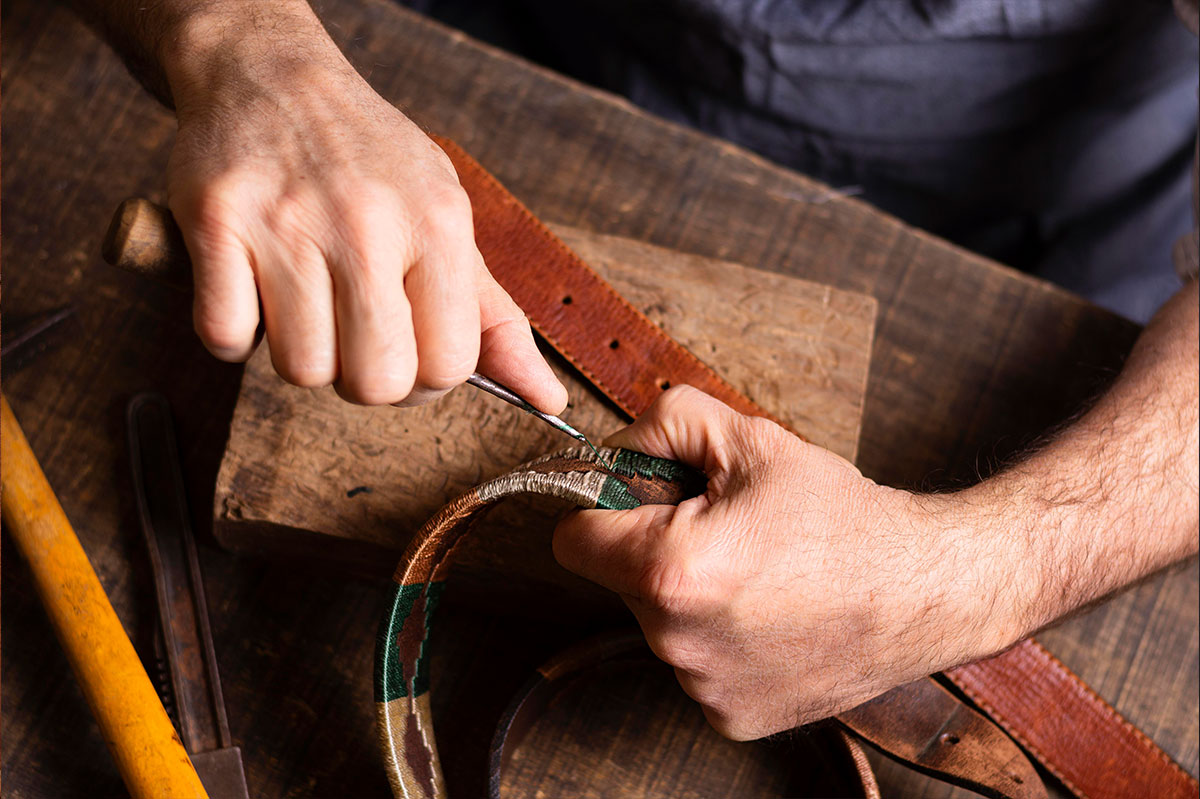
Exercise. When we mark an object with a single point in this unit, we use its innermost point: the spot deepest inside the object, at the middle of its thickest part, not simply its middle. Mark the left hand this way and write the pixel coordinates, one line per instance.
(794, 588)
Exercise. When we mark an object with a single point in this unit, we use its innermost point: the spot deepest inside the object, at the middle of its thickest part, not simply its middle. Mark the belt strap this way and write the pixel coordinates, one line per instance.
(1080, 739)
(1065, 725)
(615, 346)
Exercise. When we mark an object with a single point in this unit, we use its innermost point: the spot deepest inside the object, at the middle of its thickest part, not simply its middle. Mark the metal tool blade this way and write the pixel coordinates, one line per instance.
(183, 611)
(513, 398)
(23, 338)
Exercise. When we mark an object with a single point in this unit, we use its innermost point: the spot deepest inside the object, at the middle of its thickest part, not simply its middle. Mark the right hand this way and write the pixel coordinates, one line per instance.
(299, 190)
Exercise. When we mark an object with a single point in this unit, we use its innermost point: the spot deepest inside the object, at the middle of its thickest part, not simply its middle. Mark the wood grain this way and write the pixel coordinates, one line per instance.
(358, 482)
(971, 362)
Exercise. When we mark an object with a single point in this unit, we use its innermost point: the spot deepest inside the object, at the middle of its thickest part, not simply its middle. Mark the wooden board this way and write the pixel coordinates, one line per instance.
(308, 475)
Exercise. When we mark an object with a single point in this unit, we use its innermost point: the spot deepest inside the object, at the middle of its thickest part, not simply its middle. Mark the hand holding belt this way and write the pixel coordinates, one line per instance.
(1066, 726)
(951, 740)
(402, 656)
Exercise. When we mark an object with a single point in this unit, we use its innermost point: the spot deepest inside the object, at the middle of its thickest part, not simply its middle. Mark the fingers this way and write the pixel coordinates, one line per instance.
(377, 354)
(445, 312)
(225, 299)
(508, 353)
(380, 290)
(297, 305)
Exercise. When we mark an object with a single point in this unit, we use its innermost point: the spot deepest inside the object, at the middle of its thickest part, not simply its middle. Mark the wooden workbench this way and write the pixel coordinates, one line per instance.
(971, 362)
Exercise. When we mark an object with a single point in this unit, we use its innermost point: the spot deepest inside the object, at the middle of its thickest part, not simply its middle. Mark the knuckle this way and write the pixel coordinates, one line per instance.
(760, 426)
(733, 726)
(447, 376)
(760, 433)
(683, 651)
(376, 387)
(448, 214)
(365, 192)
(667, 584)
(679, 399)
(450, 365)
(212, 209)
(294, 214)
(219, 333)
(308, 371)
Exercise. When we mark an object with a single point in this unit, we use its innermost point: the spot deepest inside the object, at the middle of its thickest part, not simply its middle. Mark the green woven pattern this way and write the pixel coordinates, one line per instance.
(390, 680)
(615, 494)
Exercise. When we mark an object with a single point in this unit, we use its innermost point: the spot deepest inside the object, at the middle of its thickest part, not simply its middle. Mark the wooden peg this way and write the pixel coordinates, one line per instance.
(143, 238)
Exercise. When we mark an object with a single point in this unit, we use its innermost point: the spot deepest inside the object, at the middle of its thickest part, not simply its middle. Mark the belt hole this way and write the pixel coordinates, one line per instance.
(612, 345)
(664, 384)
(567, 300)
(949, 739)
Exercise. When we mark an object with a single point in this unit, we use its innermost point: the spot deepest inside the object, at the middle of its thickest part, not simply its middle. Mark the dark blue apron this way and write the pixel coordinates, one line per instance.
(1053, 136)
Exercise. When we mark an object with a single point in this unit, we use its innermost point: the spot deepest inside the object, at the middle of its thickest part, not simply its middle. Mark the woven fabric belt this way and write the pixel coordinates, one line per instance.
(1065, 725)
(402, 657)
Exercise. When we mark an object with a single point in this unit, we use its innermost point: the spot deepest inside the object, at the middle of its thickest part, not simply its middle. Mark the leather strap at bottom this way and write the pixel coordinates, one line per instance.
(1079, 738)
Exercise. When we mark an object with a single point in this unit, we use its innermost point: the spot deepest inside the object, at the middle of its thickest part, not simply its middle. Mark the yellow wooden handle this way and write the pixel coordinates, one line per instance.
(136, 728)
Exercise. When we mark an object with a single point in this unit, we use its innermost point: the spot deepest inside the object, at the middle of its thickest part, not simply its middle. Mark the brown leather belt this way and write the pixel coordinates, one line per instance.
(615, 346)
(1065, 725)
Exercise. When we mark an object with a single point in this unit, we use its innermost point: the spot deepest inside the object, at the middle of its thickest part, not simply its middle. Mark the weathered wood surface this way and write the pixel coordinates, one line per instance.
(970, 362)
(308, 475)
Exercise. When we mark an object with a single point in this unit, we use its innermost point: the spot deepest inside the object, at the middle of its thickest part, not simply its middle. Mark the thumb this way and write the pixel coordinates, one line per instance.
(683, 424)
(508, 354)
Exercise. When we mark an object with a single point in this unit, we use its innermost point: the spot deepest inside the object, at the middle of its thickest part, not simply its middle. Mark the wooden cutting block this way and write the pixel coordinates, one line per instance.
(308, 475)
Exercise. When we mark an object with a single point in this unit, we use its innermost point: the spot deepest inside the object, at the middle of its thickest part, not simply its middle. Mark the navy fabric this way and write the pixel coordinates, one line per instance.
(1053, 136)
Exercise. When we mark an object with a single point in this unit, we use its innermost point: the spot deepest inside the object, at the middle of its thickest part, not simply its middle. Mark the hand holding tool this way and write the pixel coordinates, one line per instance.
(144, 239)
(132, 720)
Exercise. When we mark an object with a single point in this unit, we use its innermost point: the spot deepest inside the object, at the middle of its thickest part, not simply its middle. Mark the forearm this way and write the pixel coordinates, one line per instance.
(178, 46)
(1110, 500)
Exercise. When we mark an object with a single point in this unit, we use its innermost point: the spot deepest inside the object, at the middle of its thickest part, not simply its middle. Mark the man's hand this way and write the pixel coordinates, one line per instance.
(306, 198)
(795, 587)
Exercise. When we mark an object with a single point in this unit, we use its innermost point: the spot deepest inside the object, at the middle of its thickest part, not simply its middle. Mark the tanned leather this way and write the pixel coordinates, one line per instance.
(615, 346)
(1080, 739)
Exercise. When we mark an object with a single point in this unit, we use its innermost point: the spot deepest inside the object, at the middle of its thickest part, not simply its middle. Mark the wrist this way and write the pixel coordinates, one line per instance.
(223, 52)
(994, 580)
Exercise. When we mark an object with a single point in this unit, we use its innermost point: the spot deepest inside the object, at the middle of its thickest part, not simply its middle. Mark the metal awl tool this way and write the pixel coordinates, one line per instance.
(513, 398)
(186, 633)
